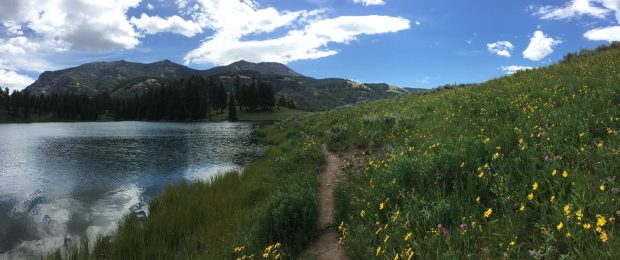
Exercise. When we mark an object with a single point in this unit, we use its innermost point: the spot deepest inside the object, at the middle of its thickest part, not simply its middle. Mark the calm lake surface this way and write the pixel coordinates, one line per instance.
(63, 181)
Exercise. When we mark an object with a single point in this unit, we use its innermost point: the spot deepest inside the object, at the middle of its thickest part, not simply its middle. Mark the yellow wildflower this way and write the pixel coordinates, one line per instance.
(567, 209)
(599, 145)
(408, 236)
(478, 200)
(481, 174)
(522, 208)
(512, 243)
(362, 213)
(554, 172)
(378, 251)
(600, 220)
(409, 253)
(568, 235)
(462, 164)
(579, 215)
(535, 186)
(552, 199)
(396, 257)
(381, 206)
(488, 212)
(587, 226)
(530, 196)
(559, 226)
(598, 229)
(564, 174)
(387, 237)
(603, 237)
(602, 187)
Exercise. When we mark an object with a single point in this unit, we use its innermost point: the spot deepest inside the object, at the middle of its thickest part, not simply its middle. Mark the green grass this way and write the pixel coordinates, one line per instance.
(275, 115)
(439, 161)
(474, 172)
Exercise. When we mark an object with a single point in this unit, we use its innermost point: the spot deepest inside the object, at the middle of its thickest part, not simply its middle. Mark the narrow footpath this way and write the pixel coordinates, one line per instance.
(327, 245)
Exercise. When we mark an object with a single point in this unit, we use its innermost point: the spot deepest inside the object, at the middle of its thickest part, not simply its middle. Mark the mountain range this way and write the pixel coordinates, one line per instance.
(126, 79)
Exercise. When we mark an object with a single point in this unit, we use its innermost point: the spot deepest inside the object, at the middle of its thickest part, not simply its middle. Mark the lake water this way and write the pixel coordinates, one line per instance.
(62, 181)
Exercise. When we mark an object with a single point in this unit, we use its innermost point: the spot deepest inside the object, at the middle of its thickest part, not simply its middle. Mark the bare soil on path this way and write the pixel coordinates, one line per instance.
(327, 245)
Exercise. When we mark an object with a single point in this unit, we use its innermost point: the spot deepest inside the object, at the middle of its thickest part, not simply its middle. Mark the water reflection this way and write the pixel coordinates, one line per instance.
(60, 181)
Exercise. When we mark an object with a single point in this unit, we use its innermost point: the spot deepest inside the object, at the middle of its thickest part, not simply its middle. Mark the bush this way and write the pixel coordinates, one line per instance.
(291, 219)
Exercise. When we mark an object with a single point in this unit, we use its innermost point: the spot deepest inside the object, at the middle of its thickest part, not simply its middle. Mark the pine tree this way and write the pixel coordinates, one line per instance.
(232, 109)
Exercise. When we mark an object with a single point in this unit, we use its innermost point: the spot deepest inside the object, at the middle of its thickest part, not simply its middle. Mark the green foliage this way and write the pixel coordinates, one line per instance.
(292, 217)
(450, 172)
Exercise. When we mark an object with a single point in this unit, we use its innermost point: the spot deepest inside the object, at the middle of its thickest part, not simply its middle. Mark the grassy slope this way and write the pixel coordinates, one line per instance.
(450, 157)
(470, 172)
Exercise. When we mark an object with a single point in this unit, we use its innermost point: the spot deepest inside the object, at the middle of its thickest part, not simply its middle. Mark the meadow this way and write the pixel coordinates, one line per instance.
(523, 166)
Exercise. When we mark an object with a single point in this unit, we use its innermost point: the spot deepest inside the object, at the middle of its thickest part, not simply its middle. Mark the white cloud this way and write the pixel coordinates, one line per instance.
(575, 8)
(540, 46)
(309, 43)
(173, 24)
(609, 34)
(75, 24)
(234, 19)
(306, 34)
(501, 48)
(14, 81)
(150, 6)
(513, 69)
(369, 2)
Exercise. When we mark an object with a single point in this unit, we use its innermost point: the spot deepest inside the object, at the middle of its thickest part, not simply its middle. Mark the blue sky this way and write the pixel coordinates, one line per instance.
(408, 43)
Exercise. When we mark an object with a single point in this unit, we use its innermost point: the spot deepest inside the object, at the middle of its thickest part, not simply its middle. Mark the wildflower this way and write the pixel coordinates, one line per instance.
(488, 212)
(478, 200)
(602, 187)
(495, 156)
(463, 227)
(442, 229)
(530, 196)
(582, 134)
(559, 226)
(603, 237)
(522, 208)
(567, 209)
(552, 199)
(395, 216)
(579, 215)
(362, 213)
(481, 174)
(387, 237)
(396, 256)
(600, 220)
(535, 186)
(409, 253)
(599, 145)
(568, 235)
(512, 243)
(587, 226)
(239, 249)
(381, 206)
(564, 174)
(408, 236)
(378, 251)
(554, 172)
(462, 164)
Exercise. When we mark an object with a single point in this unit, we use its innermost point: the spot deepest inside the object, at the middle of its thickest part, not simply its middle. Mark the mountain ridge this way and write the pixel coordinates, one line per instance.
(125, 79)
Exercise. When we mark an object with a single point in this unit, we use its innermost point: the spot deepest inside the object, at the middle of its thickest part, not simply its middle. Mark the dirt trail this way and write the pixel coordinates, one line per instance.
(327, 246)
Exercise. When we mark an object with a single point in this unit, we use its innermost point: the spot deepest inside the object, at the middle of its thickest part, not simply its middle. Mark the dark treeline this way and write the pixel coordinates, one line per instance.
(193, 98)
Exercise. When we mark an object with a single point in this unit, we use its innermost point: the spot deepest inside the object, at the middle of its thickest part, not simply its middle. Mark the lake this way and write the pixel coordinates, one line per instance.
(63, 181)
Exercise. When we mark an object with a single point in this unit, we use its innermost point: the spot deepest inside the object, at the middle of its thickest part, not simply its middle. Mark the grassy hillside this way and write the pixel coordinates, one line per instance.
(521, 166)
(524, 166)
